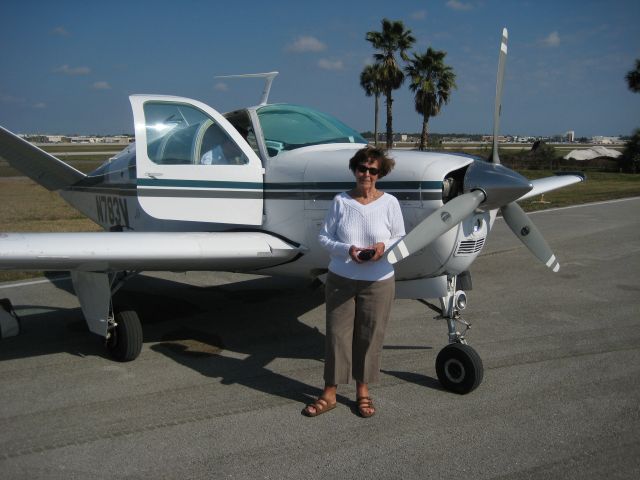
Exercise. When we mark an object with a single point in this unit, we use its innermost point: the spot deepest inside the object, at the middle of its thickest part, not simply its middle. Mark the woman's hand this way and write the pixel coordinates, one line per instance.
(353, 253)
(379, 248)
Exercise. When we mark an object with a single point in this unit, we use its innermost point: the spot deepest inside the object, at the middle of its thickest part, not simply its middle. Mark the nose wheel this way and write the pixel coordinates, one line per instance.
(459, 368)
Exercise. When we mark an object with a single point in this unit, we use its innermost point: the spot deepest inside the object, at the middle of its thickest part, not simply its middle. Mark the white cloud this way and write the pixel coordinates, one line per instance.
(419, 15)
(458, 5)
(102, 85)
(40, 105)
(306, 44)
(67, 70)
(4, 98)
(63, 32)
(330, 64)
(551, 40)
(221, 87)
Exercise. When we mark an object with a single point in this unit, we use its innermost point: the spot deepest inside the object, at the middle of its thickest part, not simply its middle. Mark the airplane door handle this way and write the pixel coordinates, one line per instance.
(153, 174)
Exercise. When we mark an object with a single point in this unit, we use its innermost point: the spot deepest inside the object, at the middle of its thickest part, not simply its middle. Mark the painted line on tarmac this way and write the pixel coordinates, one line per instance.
(34, 282)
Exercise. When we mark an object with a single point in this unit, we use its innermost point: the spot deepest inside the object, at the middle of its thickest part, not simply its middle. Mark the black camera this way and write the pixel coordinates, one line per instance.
(365, 255)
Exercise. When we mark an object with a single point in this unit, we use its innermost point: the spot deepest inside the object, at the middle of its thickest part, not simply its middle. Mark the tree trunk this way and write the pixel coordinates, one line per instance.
(375, 128)
(425, 132)
(389, 120)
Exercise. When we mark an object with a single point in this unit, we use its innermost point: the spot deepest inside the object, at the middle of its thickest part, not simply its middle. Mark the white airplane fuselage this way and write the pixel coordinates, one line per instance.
(298, 188)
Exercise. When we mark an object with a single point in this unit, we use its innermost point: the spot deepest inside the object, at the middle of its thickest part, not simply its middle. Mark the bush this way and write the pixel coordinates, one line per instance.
(629, 161)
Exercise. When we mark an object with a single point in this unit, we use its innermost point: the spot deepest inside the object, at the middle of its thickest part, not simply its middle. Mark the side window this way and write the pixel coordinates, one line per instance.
(217, 148)
(180, 134)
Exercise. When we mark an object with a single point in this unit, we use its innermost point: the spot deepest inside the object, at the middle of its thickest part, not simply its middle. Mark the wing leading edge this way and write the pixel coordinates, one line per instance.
(116, 251)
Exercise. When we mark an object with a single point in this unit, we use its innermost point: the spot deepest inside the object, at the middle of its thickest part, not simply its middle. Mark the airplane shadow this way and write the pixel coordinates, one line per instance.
(230, 332)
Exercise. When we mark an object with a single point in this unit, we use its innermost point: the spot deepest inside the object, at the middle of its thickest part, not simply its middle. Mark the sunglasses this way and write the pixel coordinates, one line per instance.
(365, 169)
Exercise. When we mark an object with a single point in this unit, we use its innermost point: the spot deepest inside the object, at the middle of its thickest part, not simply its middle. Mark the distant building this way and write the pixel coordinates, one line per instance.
(570, 136)
(489, 138)
(600, 140)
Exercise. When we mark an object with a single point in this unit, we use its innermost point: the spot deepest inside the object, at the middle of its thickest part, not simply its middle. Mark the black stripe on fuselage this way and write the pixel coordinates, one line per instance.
(277, 191)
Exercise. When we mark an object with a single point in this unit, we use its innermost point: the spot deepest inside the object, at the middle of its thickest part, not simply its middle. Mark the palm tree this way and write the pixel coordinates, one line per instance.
(431, 82)
(633, 78)
(393, 38)
(371, 82)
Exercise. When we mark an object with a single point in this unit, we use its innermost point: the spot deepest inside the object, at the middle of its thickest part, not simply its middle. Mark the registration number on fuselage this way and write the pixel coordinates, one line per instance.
(112, 210)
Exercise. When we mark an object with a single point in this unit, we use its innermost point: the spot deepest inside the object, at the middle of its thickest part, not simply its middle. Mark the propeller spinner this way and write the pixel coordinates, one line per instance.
(487, 186)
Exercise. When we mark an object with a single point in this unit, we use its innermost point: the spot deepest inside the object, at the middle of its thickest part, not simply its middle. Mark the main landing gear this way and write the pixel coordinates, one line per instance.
(121, 329)
(124, 342)
(458, 366)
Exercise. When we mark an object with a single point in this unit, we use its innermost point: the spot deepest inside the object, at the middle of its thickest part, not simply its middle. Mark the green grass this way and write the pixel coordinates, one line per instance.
(598, 187)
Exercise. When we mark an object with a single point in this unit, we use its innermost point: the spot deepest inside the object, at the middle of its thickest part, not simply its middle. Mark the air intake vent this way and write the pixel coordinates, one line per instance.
(470, 247)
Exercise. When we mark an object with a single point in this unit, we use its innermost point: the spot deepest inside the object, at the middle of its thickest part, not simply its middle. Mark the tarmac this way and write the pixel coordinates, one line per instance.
(230, 360)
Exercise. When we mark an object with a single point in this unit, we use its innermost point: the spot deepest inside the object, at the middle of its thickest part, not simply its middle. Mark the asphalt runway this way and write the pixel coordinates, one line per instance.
(230, 360)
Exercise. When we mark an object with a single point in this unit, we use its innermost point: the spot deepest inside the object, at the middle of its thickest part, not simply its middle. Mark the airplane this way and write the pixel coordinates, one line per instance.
(162, 209)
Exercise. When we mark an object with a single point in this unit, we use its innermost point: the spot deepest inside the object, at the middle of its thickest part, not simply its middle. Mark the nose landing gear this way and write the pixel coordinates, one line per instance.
(458, 366)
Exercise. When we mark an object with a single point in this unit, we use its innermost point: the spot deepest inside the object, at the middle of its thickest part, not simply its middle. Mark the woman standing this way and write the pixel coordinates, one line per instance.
(359, 227)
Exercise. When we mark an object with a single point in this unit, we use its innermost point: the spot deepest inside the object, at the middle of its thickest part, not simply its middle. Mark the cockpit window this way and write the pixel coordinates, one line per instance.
(287, 127)
(180, 134)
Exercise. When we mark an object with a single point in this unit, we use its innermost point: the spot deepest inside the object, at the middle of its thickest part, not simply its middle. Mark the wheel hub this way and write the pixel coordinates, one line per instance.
(454, 370)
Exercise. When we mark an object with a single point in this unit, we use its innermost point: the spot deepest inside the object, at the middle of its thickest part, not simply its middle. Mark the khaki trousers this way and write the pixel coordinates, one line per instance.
(357, 317)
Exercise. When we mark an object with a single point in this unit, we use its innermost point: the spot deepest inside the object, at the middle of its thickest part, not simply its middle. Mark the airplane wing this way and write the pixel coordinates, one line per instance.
(159, 251)
(35, 163)
(543, 185)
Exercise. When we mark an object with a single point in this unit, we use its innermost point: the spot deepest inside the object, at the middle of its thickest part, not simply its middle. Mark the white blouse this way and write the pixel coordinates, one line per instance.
(349, 222)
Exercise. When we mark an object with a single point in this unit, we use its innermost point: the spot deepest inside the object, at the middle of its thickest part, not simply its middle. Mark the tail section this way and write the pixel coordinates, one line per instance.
(38, 165)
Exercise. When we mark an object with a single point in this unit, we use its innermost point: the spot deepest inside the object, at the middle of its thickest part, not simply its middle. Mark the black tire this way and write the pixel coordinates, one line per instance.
(459, 368)
(125, 343)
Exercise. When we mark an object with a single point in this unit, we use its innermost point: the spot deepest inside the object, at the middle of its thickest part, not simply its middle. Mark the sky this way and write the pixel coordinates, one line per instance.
(67, 67)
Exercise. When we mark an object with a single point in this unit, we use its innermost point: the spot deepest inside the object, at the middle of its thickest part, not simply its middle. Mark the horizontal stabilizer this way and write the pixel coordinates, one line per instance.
(543, 185)
(151, 251)
(38, 165)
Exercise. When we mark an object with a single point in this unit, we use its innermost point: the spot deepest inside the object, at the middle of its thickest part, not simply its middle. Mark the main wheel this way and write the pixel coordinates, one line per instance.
(459, 368)
(125, 342)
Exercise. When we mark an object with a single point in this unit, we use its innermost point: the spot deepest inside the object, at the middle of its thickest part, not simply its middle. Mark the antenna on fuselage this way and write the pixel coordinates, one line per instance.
(268, 80)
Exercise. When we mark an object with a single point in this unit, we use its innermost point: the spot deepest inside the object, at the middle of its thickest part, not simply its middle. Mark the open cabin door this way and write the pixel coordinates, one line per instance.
(193, 165)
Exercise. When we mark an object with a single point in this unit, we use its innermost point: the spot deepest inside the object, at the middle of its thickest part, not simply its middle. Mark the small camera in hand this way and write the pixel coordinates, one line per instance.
(367, 254)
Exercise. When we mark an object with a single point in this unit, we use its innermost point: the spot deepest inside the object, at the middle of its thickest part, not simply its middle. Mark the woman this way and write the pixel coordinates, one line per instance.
(359, 227)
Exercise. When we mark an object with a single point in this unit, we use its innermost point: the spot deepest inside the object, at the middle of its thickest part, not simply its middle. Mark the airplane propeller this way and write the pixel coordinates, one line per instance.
(439, 222)
(490, 185)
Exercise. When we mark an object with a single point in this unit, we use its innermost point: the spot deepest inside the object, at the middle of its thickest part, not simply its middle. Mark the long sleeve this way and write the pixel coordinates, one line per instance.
(396, 223)
(327, 236)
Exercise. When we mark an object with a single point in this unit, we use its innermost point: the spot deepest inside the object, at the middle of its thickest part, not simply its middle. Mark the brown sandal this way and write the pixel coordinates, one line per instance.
(364, 403)
(321, 406)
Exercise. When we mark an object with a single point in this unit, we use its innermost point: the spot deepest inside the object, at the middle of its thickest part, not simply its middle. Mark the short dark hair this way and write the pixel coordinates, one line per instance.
(372, 153)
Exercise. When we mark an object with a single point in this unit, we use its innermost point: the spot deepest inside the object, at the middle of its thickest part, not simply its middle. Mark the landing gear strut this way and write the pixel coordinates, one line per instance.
(121, 329)
(458, 366)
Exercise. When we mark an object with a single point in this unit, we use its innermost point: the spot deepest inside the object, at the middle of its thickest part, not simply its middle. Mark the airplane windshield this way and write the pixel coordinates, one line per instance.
(287, 127)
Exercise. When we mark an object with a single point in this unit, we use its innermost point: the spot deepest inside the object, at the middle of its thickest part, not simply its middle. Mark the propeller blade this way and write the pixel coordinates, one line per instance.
(502, 60)
(439, 222)
(520, 223)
